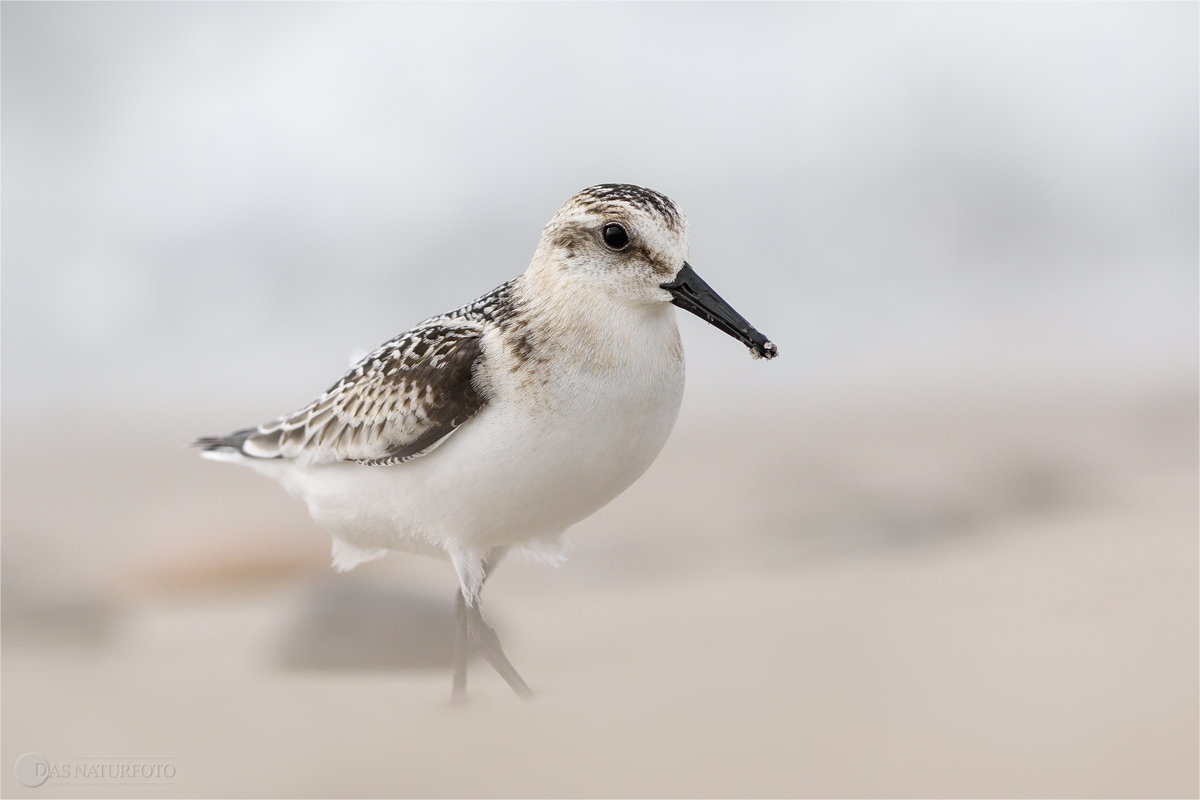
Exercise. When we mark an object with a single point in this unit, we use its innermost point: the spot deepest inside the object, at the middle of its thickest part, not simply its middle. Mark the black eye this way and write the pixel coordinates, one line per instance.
(615, 236)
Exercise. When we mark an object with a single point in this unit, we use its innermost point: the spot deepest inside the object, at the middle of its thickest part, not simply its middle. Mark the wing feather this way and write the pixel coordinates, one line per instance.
(398, 403)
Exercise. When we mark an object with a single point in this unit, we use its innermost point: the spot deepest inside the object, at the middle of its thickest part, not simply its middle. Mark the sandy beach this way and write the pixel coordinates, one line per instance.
(985, 600)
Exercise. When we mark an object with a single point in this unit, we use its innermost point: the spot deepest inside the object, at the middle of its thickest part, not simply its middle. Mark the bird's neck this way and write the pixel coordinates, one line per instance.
(572, 318)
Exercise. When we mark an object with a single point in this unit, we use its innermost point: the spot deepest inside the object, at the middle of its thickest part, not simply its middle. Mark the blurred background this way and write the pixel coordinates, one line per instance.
(945, 545)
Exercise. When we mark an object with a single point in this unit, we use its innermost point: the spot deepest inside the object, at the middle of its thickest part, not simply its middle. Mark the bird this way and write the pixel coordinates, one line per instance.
(495, 427)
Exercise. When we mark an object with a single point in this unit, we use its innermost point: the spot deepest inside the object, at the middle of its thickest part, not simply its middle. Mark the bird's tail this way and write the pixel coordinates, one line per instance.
(225, 444)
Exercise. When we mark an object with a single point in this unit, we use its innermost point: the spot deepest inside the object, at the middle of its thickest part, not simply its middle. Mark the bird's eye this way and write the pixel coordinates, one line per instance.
(615, 236)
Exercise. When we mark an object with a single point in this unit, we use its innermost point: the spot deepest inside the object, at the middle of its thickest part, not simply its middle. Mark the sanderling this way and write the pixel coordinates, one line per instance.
(501, 424)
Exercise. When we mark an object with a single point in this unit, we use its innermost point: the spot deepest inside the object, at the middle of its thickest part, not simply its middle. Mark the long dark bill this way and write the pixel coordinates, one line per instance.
(691, 293)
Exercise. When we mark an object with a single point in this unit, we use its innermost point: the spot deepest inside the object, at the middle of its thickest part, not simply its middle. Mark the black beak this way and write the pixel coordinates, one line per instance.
(692, 294)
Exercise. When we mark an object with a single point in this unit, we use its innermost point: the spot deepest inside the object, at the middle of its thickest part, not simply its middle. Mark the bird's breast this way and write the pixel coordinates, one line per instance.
(591, 412)
(592, 361)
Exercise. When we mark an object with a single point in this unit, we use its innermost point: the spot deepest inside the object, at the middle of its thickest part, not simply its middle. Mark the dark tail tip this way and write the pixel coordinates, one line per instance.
(233, 441)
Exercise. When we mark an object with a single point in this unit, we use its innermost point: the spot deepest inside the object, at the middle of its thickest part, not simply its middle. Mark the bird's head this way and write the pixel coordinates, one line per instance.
(631, 243)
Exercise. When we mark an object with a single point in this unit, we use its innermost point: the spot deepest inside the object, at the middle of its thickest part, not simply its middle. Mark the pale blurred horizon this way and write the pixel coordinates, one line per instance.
(909, 199)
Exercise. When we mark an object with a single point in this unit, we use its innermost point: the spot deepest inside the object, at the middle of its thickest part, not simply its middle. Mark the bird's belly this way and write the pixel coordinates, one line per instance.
(562, 472)
(535, 469)
(515, 471)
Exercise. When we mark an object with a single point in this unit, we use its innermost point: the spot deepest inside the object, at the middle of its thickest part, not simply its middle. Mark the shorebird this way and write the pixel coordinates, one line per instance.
(499, 425)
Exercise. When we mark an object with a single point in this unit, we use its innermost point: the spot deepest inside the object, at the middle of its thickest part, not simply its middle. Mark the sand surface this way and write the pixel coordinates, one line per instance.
(983, 600)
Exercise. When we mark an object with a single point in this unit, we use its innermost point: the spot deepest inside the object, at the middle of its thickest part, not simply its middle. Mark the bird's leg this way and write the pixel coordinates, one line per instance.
(485, 641)
(473, 634)
(462, 648)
